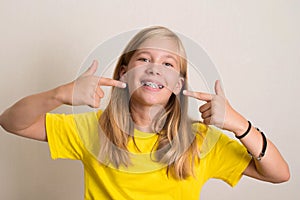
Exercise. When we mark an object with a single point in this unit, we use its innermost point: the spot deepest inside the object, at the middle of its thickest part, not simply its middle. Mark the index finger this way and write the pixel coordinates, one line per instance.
(111, 82)
(198, 95)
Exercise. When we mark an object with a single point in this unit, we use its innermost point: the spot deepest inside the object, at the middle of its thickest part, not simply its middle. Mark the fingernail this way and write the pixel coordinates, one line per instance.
(123, 85)
(184, 92)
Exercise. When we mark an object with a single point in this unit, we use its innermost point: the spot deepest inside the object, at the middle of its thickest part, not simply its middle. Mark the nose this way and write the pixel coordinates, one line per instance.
(154, 69)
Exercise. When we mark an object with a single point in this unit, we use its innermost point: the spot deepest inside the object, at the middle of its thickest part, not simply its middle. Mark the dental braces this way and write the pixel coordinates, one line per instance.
(152, 85)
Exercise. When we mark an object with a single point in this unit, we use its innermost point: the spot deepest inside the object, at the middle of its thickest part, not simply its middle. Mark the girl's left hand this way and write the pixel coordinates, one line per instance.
(218, 112)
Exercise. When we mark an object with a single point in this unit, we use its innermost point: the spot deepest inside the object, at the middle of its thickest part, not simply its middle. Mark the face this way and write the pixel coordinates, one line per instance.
(153, 73)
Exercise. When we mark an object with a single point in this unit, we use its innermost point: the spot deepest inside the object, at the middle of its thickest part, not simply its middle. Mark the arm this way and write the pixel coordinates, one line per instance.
(272, 167)
(217, 111)
(27, 117)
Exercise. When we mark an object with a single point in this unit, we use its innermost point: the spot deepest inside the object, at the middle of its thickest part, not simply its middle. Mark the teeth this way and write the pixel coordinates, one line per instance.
(151, 84)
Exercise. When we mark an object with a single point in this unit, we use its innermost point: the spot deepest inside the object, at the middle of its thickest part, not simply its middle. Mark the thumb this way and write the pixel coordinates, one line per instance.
(92, 69)
(218, 89)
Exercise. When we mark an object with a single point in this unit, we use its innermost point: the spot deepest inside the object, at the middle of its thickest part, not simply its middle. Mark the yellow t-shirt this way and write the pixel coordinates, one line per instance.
(75, 137)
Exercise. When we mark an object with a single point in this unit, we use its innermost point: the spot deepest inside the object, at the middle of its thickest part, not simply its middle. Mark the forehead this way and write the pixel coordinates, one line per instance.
(161, 43)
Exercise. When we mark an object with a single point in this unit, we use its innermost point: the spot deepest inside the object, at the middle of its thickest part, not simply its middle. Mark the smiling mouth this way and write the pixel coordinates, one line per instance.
(152, 85)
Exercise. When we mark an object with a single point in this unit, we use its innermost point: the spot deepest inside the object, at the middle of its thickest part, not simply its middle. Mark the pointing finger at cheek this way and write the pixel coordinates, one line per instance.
(111, 82)
(198, 95)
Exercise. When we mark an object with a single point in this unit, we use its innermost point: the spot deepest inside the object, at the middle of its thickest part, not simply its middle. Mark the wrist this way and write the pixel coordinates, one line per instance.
(241, 127)
(63, 94)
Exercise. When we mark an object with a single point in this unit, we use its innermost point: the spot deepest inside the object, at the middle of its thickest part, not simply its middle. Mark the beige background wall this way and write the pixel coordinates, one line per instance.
(254, 44)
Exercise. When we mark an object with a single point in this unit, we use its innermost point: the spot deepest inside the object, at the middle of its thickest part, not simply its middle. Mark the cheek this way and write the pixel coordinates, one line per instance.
(172, 79)
(133, 78)
(132, 82)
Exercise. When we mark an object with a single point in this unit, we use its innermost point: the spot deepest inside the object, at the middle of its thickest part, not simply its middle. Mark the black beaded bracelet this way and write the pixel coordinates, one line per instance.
(265, 143)
(244, 134)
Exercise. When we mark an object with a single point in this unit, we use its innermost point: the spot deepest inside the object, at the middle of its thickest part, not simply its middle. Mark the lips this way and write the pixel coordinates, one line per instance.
(152, 84)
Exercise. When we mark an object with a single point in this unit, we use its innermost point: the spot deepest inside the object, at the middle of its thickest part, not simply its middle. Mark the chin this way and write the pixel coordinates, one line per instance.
(150, 98)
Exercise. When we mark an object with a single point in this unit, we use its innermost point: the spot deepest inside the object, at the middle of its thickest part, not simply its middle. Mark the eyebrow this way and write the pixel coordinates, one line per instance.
(147, 52)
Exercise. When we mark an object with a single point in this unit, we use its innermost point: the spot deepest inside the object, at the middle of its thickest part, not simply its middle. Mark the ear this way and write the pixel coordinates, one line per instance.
(178, 86)
(122, 73)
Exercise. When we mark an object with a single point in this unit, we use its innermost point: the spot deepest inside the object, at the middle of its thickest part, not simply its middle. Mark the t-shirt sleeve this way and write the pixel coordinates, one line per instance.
(62, 136)
(228, 159)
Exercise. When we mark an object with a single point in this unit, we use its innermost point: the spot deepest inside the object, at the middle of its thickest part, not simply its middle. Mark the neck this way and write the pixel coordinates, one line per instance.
(144, 116)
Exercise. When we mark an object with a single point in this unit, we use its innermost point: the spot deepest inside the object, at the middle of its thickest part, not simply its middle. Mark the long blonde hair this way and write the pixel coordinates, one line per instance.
(176, 144)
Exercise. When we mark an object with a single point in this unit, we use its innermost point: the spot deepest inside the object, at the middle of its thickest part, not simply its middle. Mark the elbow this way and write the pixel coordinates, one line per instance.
(1, 121)
(284, 177)
(281, 180)
(5, 126)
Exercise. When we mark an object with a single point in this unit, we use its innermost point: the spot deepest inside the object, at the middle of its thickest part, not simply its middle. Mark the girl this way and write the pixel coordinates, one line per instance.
(143, 145)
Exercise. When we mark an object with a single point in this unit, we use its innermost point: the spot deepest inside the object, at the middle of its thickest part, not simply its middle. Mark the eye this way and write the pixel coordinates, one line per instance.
(168, 64)
(144, 59)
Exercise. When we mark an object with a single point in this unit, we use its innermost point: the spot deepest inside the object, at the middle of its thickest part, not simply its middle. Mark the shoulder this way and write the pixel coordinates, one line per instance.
(210, 138)
(82, 125)
(205, 132)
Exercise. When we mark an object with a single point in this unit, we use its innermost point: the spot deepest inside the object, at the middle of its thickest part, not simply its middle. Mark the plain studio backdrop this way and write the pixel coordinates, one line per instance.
(255, 46)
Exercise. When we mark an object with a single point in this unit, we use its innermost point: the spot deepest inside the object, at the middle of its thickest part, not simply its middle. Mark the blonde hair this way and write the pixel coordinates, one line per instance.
(176, 144)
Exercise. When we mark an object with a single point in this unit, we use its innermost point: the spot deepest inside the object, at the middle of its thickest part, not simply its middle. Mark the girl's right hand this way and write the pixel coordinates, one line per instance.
(85, 90)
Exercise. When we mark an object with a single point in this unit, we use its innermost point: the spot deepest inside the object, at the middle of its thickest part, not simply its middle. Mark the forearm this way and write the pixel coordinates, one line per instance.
(28, 110)
(27, 116)
(272, 167)
(217, 111)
